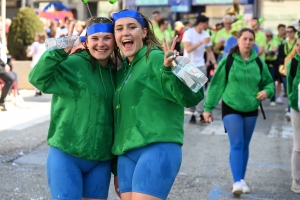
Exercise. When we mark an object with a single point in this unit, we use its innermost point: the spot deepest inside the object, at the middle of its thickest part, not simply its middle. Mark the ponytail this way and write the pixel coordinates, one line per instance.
(235, 49)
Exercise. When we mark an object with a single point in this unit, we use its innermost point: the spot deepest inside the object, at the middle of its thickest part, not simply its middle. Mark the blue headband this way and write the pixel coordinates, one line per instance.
(129, 13)
(97, 28)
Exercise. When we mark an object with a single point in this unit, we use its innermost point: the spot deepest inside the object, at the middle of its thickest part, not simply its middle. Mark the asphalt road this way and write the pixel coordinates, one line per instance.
(204, 174)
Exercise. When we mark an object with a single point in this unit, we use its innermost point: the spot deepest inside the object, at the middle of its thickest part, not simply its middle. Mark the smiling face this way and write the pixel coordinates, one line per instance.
(129, 36)
(246, 42)
(101, 46)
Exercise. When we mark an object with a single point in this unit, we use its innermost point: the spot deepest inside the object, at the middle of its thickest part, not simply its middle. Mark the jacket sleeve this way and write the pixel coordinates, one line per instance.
(216, 87)
(267, 83)
(172, 88)
(46, 75)
(177, 91)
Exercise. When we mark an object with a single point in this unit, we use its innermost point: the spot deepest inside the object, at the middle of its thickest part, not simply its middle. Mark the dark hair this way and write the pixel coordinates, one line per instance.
(161, 21)
(281, 26)
(236, 48)
(115, 58)
(293, 27)
(201, 18)
(156, 12)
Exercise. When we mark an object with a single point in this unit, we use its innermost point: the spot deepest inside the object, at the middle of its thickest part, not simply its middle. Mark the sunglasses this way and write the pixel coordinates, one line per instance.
(289, 31)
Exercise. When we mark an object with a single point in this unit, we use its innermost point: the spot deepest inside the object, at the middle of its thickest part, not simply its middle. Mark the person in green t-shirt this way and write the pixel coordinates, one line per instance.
(281, 34)
(271, 58)
(162, 31)
(155, 18)
(260, 37)
(222, 35)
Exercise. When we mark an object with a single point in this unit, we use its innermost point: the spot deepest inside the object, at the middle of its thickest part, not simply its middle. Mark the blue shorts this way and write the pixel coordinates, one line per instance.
(150, 170)
(74, 178)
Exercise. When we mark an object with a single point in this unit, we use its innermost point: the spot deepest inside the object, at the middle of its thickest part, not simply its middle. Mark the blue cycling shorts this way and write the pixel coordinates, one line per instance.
(150, 170)
(74, 178)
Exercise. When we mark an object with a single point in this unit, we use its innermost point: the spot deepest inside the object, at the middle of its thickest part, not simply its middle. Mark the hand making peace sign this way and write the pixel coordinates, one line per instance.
(170, 54)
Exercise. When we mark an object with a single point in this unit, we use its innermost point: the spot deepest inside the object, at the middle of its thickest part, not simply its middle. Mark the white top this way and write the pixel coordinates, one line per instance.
(197, 56)
(36, 50)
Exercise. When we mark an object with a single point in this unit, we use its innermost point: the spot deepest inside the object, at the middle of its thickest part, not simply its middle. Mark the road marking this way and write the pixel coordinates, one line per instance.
(280, 127)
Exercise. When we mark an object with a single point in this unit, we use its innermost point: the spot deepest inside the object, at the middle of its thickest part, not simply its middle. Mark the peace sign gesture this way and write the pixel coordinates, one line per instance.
(70, 32)
(170, 54)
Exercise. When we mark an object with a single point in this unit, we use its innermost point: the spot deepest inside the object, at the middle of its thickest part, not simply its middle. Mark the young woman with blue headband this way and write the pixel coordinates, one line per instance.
(149, 111)
(80, 135)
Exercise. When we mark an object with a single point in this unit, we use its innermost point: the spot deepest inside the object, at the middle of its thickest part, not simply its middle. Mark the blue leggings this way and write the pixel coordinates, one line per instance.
(70, 177)
(240, 130)
(150, 170)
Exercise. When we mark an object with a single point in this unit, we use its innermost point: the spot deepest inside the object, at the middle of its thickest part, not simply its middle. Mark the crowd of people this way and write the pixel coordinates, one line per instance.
(108, 93)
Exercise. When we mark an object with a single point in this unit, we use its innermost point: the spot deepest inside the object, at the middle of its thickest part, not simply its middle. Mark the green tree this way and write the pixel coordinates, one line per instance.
(21, 34)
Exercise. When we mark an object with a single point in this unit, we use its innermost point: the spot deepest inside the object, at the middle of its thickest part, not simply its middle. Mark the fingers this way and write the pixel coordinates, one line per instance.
(165, 45)
(174, 43)
(71, 29)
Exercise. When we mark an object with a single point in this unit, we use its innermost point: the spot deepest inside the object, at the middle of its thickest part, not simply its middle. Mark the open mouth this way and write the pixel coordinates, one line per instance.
(127, 43)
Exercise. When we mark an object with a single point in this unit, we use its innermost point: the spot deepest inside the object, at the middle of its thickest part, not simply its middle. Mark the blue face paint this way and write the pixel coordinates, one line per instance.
(129, 13)
(100, 28)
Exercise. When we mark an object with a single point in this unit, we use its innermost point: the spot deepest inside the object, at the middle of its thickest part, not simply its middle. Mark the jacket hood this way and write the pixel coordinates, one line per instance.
(253, 56)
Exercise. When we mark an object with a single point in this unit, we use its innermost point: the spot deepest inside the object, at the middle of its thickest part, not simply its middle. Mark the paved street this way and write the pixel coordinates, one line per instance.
(204, 174)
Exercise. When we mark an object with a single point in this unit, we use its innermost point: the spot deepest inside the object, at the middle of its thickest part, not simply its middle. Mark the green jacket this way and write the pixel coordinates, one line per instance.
(149, 103)
(244, 82)
(81, 121)
(292, 85)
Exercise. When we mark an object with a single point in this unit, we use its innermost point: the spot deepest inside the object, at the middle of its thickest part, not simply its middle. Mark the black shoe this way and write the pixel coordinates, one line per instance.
(38, 94)
(202, 120)
(193, 119)
(2, 107)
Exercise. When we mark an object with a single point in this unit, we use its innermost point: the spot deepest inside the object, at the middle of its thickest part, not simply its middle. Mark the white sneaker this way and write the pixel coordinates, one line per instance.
(288, 116)
(279, 100)
(237, 189)
(245, 187)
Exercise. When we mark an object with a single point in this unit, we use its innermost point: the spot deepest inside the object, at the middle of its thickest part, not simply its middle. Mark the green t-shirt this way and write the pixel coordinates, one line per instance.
(171, 32)
(260, 40)
(160, 35)
(270, 46)
(221, 35)
(278, 40)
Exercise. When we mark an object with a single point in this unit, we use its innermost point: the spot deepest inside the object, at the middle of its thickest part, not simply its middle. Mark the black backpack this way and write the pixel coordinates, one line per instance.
(229, 63)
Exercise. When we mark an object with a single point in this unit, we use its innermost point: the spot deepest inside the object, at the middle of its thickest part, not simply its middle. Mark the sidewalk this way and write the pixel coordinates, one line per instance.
(16, 132)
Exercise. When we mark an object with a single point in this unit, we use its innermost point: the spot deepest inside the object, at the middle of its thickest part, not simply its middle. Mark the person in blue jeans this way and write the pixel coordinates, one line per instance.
(241, 93)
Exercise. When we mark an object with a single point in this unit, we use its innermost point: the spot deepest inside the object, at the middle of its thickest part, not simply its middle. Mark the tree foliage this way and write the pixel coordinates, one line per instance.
(21, 34)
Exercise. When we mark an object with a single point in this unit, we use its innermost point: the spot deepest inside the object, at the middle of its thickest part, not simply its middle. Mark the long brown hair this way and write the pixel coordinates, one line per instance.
(236, 48)
(115, 58)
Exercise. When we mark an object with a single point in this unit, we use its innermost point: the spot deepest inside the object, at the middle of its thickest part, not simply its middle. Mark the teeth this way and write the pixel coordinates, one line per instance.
(127, 41)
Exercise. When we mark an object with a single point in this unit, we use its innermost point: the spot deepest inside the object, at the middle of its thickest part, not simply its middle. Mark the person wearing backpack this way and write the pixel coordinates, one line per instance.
(242, 80)
(293, 85)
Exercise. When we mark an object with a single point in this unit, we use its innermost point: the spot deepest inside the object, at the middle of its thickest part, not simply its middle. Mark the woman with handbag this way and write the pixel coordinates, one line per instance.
(293, 85)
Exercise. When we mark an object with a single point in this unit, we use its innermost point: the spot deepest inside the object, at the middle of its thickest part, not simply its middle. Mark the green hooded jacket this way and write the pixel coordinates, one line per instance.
(81, 121)
(244, 82)
(149, 103)
(292, 85)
